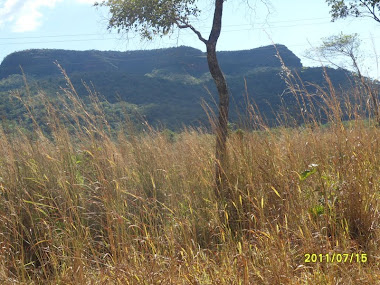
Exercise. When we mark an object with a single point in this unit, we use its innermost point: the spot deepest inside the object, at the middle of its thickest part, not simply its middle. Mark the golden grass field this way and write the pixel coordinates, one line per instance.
(82, 207)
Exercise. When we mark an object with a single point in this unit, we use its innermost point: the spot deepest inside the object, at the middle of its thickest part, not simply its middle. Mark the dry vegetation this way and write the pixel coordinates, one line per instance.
(80, 207)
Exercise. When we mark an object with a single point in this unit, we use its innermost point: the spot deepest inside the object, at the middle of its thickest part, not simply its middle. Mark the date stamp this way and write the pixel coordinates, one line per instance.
(336, 257)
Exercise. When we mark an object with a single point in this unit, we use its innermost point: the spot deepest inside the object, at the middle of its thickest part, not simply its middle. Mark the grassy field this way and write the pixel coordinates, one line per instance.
(78, 206)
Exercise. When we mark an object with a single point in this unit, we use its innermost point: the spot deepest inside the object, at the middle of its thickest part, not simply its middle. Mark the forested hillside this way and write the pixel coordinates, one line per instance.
(164, 85)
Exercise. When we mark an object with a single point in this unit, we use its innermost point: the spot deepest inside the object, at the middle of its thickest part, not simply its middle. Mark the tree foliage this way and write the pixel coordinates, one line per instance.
(150, 18)
(348, 46)
(341, 45)
(354, 8)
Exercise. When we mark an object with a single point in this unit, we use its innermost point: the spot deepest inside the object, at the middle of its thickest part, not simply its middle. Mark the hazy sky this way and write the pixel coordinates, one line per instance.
(76, 25)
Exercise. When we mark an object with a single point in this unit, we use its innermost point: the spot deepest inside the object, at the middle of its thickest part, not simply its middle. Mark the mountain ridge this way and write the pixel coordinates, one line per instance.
(167, 86)
(39, 62)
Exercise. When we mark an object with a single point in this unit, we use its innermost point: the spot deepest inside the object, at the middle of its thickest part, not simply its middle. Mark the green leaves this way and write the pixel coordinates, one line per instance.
(312, 168)
(356, 8)
(149, 18)
(341, 44)
(306, 174)
(338, 47)
(317, 210)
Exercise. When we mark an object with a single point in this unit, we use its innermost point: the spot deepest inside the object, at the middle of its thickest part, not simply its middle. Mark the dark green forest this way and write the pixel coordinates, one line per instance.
(165, 87)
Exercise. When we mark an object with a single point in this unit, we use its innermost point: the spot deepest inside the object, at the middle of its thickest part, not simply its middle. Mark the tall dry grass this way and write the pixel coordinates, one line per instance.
(79, 206)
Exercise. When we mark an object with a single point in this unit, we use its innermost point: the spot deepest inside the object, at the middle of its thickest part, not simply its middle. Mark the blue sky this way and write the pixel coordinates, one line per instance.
(77, 25)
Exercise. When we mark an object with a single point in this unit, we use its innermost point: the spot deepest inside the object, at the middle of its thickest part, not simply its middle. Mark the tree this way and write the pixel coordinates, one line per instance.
(341, 45)
(354, 8)
(152, 18)
(349, 44)
(336, 46)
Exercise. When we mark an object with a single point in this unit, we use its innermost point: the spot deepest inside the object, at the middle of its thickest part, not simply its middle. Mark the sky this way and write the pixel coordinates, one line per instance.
(78, 25)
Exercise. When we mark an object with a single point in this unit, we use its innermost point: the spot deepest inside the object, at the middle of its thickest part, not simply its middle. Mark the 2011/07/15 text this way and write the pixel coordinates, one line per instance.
(336, 257)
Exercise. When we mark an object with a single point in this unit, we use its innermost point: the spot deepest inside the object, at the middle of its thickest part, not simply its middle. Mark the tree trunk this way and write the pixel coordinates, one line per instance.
(221, 85)
(228, 213)
(222, 191)
(369, 90)
(222, 124)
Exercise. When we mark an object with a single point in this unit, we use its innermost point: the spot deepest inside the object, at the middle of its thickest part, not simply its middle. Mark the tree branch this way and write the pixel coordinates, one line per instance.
(370, 10)
(186, 25)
